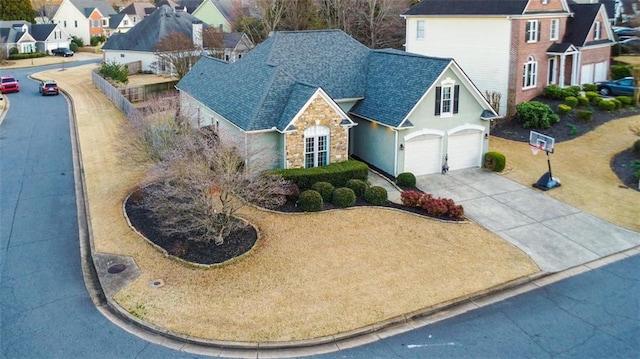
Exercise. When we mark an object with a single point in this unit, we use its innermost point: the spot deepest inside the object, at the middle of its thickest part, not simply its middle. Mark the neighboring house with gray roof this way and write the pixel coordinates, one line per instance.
(119, 22)
(319, 97)
(515, 48)
(217, 13)
(140, 42)
(138, 11)
(27, 37)
(84, 18)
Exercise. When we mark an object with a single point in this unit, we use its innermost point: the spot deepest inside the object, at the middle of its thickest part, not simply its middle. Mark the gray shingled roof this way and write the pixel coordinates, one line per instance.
(579, 26)
(468, 7)
(396, 80)
(138, 9)
(40, 32)
(269, 85)
(148, 32)
(87, 6)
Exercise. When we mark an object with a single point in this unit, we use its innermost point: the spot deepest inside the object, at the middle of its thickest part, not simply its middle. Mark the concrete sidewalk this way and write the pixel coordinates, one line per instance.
(555, 235)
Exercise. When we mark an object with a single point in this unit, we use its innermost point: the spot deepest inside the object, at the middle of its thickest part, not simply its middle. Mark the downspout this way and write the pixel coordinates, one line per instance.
(395, 159)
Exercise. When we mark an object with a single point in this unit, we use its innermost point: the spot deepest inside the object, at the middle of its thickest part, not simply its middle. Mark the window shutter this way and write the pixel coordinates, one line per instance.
(538, 33)
(526, 33)
(438, 99)
(456, 91)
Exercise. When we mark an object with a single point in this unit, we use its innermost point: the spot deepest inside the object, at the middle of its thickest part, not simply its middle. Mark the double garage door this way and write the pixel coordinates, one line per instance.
(591, 73)
(424, 154)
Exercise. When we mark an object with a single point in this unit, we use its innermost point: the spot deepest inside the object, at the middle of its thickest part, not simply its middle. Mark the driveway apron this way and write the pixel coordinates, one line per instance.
(555, 235)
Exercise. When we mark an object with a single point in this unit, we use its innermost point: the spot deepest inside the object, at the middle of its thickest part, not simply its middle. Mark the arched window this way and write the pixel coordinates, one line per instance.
(530, 73)
(316, 146)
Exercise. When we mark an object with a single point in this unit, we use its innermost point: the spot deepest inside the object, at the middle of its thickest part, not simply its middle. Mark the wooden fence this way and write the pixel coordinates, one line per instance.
(114, 94)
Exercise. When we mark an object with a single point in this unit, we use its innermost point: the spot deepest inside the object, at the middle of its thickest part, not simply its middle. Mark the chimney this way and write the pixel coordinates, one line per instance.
(196, 34)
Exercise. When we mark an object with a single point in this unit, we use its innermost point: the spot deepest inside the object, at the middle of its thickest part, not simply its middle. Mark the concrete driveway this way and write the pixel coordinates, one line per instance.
(555, 235)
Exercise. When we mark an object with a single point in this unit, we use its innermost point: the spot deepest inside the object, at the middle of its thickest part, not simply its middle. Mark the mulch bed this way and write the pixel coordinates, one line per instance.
(569, 128)
(237, 243)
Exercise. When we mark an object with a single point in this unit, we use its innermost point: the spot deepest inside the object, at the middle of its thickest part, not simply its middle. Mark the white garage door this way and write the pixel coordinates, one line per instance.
(586, 74)
(465, 150)
(601, 71)
(423, 155)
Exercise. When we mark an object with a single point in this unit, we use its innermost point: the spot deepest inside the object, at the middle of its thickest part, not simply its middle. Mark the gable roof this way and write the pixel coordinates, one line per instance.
(41, 32)
(190, 5)
(148, 32)
(116, 20)
(86, 7)
(140, 9)
(468, 7)
(396, 80)
(579, 25)
(268, 86)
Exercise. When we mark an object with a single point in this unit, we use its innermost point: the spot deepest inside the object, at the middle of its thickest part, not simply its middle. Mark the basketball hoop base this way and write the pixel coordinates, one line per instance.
(546, 182)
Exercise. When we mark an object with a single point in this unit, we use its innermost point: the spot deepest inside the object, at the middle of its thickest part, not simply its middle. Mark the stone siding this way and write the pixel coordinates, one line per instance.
(318, 113)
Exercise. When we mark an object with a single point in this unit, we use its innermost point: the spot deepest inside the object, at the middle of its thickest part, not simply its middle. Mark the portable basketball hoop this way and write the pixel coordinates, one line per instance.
(538, 142)
(535, 149)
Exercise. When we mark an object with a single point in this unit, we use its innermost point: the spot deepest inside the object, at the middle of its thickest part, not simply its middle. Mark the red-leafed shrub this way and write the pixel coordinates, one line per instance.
(410, 198)
(436, 207)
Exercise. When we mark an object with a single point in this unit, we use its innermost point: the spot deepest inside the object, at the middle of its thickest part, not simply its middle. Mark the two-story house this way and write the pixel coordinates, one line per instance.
(84, 18)
(27, 37)
(513, 49)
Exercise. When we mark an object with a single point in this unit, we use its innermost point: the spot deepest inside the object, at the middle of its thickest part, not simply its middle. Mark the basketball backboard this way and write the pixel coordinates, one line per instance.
(541, 141)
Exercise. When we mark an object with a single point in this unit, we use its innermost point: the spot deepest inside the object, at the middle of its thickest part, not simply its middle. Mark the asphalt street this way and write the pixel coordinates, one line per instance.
(46, 311)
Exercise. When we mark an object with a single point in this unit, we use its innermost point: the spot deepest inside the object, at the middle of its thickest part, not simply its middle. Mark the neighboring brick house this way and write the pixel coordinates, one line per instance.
(515, 48)
(83, 18)
(319, 97)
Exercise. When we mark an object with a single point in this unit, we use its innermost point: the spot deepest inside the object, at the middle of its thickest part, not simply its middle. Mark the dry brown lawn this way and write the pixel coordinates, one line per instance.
(582, 165)
(311, 275)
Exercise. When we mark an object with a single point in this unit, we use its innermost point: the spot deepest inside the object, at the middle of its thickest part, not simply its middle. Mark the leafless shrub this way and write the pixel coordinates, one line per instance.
(205, 180)
(494, 98)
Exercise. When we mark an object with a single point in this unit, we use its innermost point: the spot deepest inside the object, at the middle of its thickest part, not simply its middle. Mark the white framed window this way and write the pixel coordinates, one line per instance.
(533, 31)
(552, 71)
(545, 2)
(447, 95)
(555, 29)
(420, 30)
(105, 22)
(316, 146)
(597, 30)
(530, 73)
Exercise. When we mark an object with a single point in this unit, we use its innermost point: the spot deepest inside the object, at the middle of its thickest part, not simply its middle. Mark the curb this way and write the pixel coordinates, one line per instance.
(410, 321)
(5, 108)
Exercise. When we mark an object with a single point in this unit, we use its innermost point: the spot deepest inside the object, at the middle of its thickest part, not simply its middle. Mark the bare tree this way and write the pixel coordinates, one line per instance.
(271, 12)
(300, 15)
(176, 53)
(150, 133)
(4, 52)
(213, 41)
(205, 180)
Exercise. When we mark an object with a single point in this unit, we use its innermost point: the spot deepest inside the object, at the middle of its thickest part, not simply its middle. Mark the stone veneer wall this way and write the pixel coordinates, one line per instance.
(319, 113)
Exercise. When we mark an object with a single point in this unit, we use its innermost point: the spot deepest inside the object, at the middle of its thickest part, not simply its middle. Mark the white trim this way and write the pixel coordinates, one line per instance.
(554, 35)
(465, 127)
(320, 92)
(427, 131)
(532, 30)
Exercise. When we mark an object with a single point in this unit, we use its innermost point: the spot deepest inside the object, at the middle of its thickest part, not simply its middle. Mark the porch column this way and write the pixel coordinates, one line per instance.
(562, 68)
(574, 69)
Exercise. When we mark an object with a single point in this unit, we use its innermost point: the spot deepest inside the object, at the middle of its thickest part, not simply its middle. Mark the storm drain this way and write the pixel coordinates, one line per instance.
(116, 268)
(156, 283)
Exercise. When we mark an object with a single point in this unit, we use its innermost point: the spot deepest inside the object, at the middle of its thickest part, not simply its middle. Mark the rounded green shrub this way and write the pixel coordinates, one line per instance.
(310, 201)
(571, 101)
(325, 189)
(590, 87)
(495, 161)
(585, 116)
(625, 100)
(535, 114)
(607, 105)
(553, 92)
(617, 103)
(376, 195)
(564, 109)
(73, 46)
(358, 186)
(592, 95)
(596, 100)
(344, 197)
(583, 100)
(406, 179)
(571, 91)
